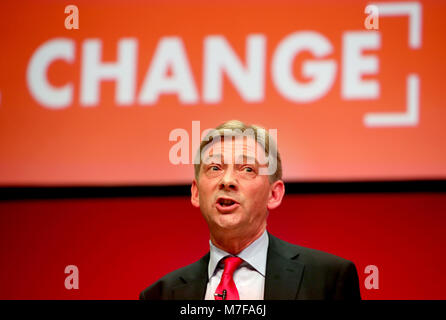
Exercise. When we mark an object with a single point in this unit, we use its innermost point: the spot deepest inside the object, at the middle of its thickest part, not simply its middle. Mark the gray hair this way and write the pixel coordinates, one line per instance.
(261, 136)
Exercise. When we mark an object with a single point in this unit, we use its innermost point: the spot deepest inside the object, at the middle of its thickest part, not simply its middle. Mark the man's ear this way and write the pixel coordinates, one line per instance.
(194, 199)
(276, 194)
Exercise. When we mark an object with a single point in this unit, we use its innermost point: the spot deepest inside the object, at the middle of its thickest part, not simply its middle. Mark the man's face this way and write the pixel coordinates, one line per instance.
(230, 192)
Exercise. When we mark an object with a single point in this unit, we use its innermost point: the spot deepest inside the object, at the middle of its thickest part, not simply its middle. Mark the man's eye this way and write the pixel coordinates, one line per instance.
(214, 168)
(248, 169)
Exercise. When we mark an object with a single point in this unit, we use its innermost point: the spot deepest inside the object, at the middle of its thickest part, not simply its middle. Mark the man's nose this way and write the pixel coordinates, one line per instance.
(229, 181)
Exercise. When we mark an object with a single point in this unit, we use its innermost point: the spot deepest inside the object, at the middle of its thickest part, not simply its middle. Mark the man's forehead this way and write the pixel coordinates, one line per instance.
(243, 148)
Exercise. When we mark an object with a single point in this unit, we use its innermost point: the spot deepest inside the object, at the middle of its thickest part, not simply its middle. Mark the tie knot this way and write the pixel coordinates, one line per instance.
(231, 264)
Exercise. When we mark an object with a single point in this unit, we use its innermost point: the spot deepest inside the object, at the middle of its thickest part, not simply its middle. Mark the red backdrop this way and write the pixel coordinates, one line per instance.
(123, 245)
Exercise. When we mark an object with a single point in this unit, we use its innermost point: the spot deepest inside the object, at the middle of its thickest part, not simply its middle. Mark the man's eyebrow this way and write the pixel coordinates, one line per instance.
(241, 159)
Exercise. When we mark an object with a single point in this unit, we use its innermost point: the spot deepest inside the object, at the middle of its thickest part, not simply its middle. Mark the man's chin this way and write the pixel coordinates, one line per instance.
(229, 222)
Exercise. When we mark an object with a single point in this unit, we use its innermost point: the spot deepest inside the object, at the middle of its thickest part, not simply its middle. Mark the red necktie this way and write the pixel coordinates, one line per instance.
(227, 290)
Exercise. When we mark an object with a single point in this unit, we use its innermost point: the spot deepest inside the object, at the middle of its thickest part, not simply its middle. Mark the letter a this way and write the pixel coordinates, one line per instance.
(72, 21)
(72, 281)
(371, 281)
(371, 22)
(179, 153)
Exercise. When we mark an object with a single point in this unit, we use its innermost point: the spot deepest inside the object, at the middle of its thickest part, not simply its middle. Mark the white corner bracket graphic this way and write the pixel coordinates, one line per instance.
(411, 116)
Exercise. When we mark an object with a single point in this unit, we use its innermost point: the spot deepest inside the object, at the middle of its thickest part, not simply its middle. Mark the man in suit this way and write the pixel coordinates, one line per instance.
(238, 179)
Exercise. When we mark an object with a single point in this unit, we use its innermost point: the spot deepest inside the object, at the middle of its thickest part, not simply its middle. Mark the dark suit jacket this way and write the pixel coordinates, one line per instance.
(292, 272)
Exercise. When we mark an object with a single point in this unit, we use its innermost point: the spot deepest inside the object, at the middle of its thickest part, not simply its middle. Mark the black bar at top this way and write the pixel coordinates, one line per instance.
(70, 192)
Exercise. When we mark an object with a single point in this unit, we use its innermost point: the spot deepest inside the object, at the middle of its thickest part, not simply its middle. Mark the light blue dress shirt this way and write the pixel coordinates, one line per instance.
(249, 278)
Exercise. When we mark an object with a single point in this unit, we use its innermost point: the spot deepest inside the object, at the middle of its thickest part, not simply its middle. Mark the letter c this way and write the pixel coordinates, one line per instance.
(36, 74)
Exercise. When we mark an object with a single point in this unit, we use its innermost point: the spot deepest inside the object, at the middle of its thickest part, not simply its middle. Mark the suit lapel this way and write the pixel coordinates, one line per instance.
(283, 271)
(283, 274)
(194, 281)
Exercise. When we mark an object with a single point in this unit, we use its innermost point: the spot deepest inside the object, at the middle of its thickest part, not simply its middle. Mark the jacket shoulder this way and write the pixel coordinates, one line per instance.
(161, 289)
(311, 257)
(326, 276)
(317, 257)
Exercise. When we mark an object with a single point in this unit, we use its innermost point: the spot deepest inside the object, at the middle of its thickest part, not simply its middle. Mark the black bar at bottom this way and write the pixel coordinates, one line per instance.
(225, 309)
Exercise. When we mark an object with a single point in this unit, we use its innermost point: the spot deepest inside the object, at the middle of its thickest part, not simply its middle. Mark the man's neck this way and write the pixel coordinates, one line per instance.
(236, 244)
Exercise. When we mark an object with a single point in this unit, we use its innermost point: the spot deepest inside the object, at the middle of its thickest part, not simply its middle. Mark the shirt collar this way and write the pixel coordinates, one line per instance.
(255, 255)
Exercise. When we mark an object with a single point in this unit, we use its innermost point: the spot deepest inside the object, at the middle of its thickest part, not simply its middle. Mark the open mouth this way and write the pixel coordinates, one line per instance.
(226, 202)
(226, 205)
